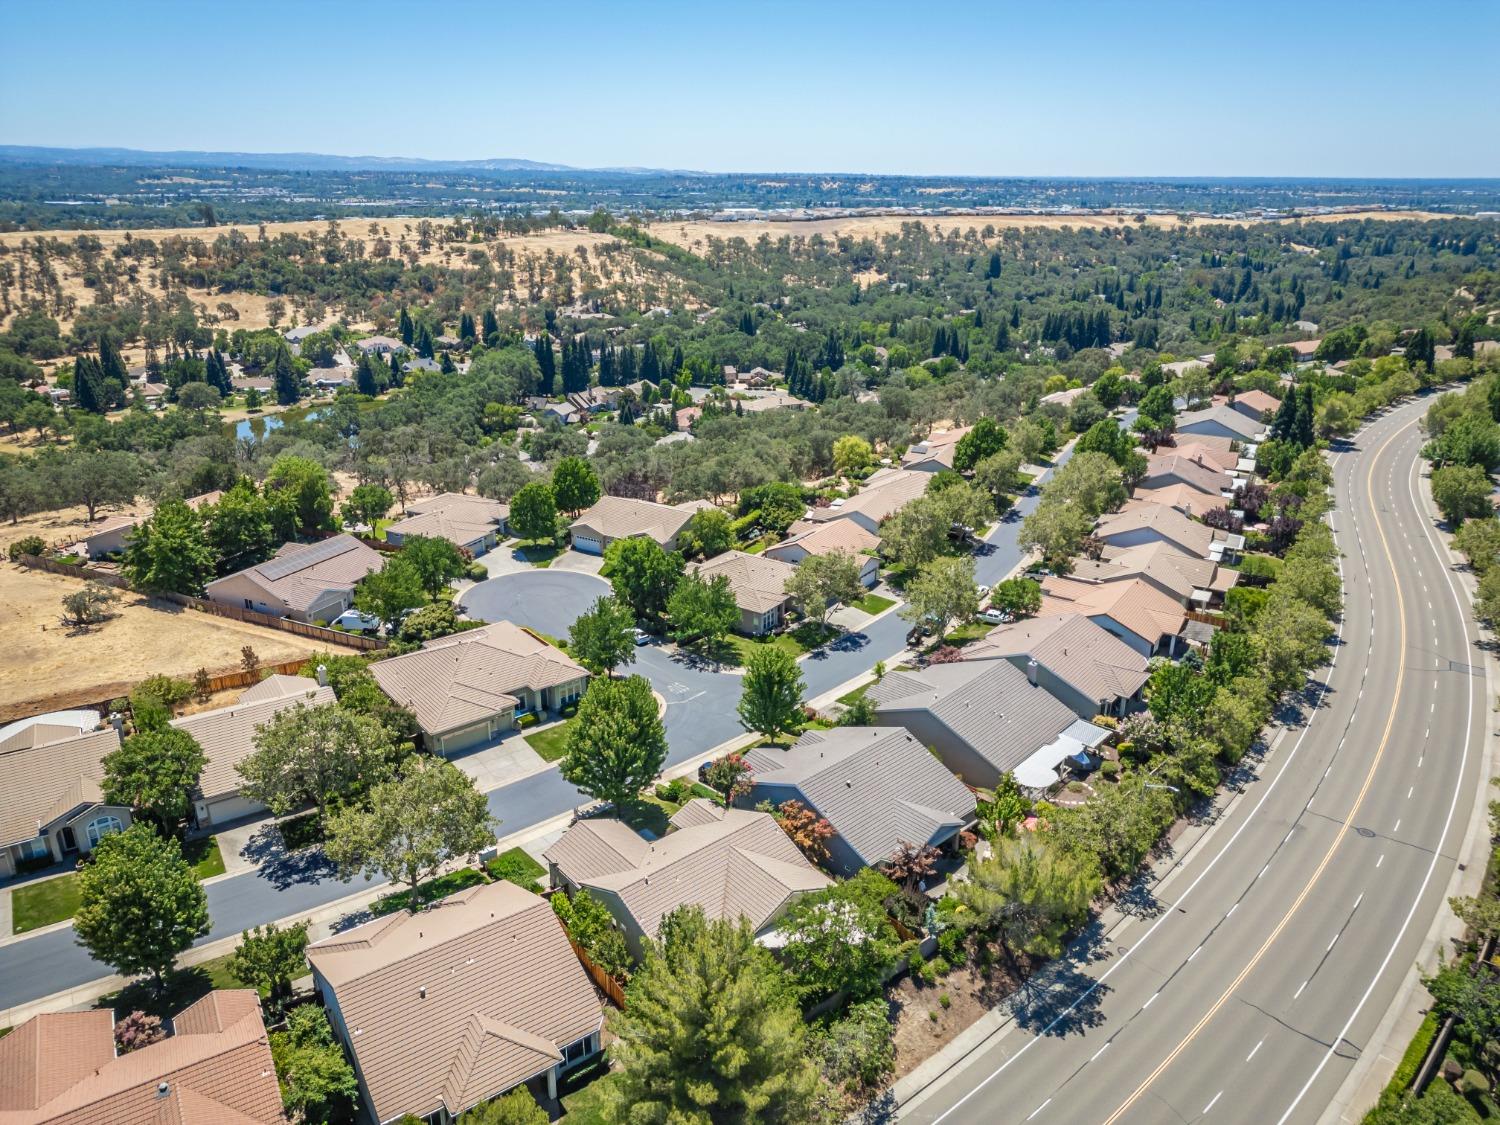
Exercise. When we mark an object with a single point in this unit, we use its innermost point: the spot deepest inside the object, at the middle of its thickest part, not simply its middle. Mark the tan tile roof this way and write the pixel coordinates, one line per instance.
(938, 447)
(883, 494)
(227, 734)
(619, 517)
(453, 516)
(1257, 401)
(758, 583)
(1231, 419)
(459, 1002)
(1078, 652)
(110, 524)
(734, 864)
(1184, 497)
(1213, 456)
(45, 781)
(462, 679)
(1161, 563)
(1135, 604)
(1166, 522)
(1199, 472)
(216, 1068)
(275, 686)
(839, 536)
(302, 572)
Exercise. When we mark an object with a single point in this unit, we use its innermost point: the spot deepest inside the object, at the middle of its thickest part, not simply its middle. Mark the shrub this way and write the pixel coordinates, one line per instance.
(1109, 769)
(30, 545)
(167, 690)
(678, 790)
(945, 1000)
(527, 720)
(857, 1053)
(477, 572)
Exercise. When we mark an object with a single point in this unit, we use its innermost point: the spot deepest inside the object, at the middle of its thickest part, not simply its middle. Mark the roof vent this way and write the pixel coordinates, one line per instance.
(163, 1088)
(422, 992)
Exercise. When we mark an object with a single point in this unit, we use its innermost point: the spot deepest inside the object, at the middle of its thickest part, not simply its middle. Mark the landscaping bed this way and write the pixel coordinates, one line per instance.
(517, 866)
(874, 603)
(300, 832)
(441, 887)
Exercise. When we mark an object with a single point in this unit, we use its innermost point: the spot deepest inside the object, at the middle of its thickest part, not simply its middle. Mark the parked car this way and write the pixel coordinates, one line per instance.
(641, 637)
(992, 616)
(355, 622)
(984, 591)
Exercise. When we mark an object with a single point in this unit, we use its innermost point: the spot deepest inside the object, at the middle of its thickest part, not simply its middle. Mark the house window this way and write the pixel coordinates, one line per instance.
(575, 1053)
(35, 849)
(101, 827)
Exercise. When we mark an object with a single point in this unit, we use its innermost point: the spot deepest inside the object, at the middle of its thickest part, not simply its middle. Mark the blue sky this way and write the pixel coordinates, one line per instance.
(1155, 87)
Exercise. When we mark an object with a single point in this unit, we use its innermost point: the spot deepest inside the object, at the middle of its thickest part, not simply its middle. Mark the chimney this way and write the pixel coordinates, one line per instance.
(1031, 672)
(322, 675)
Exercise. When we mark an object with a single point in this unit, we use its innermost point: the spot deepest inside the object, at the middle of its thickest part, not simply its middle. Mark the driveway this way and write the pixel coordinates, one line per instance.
(578, 561)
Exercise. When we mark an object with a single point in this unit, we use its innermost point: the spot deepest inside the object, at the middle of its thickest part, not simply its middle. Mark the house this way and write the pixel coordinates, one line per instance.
(1219, 421)
(877, 786)
(1089, 669)
(1134, 610)
(471, 522)
(53, 807)
(687, 416)
(1200, 473)
(1256, 404)
(1139, 522)
(846, 537)
(476, 995)
(734, 863)
(227, 735)
(469, 688)
(297, 335)
(981, 718)
(331, 378)
(1304, 350)
(564, 412)
(595, 400)
(421, 363)
(770, 400)
(934, 452)
(758, 585)
(109, 536)
(1180, 367)
(1305, 325)
(621, 517)
(447, 341)
(1188, 580)
(379, 345)
(62, 1068)
(304, 581)
(755, 377)
(1185, 498)
(883, 494)
(1064, 398)
(1205, 451)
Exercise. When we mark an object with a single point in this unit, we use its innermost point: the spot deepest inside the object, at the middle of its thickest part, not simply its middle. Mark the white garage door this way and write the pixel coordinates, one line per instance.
(588, 545)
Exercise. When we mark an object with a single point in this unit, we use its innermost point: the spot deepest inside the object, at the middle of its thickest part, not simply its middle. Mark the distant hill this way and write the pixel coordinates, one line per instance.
(281, 161)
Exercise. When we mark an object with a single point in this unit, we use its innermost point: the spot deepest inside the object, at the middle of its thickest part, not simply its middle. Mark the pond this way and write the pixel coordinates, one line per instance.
(257, 426)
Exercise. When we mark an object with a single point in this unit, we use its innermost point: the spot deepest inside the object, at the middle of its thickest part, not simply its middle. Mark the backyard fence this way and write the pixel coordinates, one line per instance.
(607, 984)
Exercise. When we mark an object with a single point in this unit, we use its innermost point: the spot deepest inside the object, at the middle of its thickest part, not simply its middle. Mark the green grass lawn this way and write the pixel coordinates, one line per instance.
(850, 697)
(874, 603)
(551, 743)
(967, 633)
(517, 866)
(651, 813)
(34, 905)
(205, 857)
(441, 887)
(539, 555)
(182, 987)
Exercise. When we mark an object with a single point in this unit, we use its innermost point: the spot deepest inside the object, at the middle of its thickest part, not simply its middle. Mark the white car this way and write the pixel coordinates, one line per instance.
(984, 591)
(641, 637)
(356, 622)
(991, 616)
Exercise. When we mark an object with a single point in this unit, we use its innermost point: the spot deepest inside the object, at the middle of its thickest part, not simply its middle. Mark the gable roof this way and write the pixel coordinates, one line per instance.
(1196, 471)
(731, 862)
(1134, 604)
(1184, 497)
(758, 583)
(1231, 419)
(454, 516)
(1094, 662)
(227, 734)
(1191, 536)
(877, 786)
(1161, 563)
(935, 448)
(835, 537)
(465, 678)
(1256, 402)
(989, 705)
(51, 778)
(60, 1068)
(885, 492)
(619, 517)
(1205, 449)
(486, 975)
(301, 573)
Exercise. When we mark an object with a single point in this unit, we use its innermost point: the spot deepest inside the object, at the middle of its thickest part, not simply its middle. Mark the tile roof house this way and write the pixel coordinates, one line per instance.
(1139, 522)
(51, 804)
(1214, 454)
(981, 718)
(1186, 579)
(304, 581)
(60, 1068)
(455, 1005)
(1184, 497)
(109, 535)
(471, 522)
(877, 786)
(379, 345)
(1089, 669)
(1219, 421)
(620, 517)
(1133, 610)
(227, 735)
(934, 452)
(468, 688)
(1256, 404)
(733, 863)
(769, 400)
(883, 494)
(758, 584)
(1200, 472)
(844, 537)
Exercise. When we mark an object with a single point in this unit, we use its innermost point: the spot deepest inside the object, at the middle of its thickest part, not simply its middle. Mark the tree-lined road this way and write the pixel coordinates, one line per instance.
(1249, 988)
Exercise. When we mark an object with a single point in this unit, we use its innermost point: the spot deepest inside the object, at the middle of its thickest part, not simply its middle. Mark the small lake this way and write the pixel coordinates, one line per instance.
(258, 426)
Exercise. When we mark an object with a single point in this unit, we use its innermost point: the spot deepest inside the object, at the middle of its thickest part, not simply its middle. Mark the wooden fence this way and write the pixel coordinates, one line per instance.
(203, 605)
(607, 984)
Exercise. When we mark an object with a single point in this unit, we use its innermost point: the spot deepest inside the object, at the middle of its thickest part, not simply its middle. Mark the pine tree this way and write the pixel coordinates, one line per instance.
(546, 362)
(491, 326)
(88, 391)
(465, 327)
(405, 329)
(111, 366)
(397, 375)
(424, 342)
(994, 270)
(364, 377)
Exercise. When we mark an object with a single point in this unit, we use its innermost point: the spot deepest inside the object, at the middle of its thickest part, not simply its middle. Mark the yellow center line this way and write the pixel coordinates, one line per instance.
(1343, 828)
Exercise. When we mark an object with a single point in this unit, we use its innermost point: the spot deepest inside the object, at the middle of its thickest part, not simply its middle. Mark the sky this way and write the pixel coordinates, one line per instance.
(939, 87)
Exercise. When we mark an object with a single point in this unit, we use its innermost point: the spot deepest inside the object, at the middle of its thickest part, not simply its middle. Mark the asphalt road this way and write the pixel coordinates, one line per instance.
(1251, 978)
(700, 715)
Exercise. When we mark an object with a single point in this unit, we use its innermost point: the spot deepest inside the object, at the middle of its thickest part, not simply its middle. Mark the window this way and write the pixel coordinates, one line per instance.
(575, 1053)
(35, 849)
(101, 827)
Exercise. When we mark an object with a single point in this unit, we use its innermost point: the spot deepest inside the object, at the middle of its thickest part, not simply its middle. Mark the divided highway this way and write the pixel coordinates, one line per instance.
(1278, 941)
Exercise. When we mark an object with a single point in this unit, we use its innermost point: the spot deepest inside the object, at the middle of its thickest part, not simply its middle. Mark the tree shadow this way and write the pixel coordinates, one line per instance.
(283, 868)
(848, 642)
(1060, 1001)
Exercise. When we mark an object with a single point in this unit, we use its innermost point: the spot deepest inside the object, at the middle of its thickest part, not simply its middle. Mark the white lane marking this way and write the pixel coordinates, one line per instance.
(1099, 1052)
(1263, 870)
(1038, 1109)
(1379, 861)
(1300, 987)
(1253, 1049)
(1332, 942)
(1214, 1102)
(1148, 1003)
(1398, 827)
(1195, 953)
(1410, 791)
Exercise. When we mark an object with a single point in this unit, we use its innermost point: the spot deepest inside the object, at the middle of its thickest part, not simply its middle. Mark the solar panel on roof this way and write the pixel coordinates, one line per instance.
(280, 568)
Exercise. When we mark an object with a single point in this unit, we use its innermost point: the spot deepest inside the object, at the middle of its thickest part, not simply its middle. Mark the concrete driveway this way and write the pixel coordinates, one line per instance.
(578, 562)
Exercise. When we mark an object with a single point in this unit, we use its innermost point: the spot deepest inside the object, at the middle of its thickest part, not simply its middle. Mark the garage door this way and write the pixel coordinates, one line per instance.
(226, 809)
(588, 544)
(468, 737)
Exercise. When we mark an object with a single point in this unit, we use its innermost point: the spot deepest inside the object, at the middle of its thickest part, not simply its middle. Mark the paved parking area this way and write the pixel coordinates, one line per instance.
(498, 763)
(546, 600)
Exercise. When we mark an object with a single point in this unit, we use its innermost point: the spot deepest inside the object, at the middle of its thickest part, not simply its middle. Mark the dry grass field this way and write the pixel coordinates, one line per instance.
(44, 663)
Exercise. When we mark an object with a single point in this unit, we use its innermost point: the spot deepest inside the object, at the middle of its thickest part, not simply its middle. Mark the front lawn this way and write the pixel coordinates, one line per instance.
(182, 987)
(552, 742)
(874, 603)
(433, 889)
(204, 856)
(650, 813)
(849, 698)
(539, 555)
(804, 638)
(516, 865)
(967, 633)
(34, 905)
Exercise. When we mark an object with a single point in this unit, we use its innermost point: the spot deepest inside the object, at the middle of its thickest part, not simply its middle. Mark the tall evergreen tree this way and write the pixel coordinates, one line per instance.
(491, 327)
(546, 362)
(405, 329)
